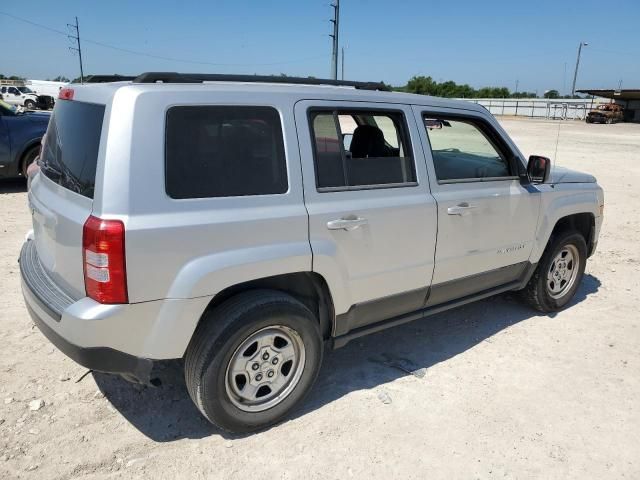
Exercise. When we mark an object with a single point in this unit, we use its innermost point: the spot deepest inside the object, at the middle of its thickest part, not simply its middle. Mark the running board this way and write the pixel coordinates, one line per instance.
(342, 340)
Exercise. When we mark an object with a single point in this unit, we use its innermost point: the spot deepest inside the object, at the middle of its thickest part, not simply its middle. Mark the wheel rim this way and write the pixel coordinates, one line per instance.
(265, 368)
(563, 271)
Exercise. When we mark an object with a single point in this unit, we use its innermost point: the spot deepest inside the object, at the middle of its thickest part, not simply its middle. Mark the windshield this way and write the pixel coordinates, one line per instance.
(5, 106)
(25, 90)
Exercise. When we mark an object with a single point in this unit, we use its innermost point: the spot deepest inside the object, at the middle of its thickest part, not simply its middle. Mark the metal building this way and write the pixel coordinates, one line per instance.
(629, 99)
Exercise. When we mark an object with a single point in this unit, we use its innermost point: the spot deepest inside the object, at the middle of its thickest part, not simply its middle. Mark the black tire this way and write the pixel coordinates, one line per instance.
(29, 104)
(537, 292)
(216, 342)
(588, 120)
(28, 158)
(609, 121)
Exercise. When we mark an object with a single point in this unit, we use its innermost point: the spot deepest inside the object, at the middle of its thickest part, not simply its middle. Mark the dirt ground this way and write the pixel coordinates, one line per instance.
(497, 391)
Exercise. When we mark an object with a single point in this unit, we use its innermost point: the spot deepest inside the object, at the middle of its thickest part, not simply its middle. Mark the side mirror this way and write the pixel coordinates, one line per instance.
(538, 169)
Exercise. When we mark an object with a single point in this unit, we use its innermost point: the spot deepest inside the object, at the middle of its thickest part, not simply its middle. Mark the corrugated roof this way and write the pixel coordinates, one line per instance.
(626, 94)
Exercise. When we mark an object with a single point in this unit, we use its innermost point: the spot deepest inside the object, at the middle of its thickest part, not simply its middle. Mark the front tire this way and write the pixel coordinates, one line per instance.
(253, 359)
(29, 104)
(559, 273)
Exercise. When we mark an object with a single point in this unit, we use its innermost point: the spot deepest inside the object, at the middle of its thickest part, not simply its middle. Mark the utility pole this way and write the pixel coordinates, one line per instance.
(334, 51)
(76, 37)
(575, 74)
(342, 63)
(517, 83)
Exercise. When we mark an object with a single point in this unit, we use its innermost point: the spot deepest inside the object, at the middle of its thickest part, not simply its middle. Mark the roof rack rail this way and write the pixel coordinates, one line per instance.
(174, 77)
(107, 78)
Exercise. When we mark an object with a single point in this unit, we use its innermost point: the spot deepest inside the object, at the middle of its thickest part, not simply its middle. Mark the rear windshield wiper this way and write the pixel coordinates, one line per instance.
(50, 170)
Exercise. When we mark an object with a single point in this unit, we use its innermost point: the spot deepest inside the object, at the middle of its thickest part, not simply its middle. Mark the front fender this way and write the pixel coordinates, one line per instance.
(559, 201)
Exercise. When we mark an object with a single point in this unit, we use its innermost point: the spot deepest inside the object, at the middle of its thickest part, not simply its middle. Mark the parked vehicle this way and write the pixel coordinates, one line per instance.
(606, 113)
(19, 95)
(241, 222)
(45, 102)
(20, 136)
(46, 87)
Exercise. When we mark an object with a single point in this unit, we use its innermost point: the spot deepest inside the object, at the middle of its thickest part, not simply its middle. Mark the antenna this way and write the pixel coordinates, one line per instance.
(555, 154)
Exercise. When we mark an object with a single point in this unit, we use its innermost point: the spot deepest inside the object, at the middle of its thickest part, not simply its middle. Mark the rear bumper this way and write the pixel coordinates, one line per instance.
(46, 304)
(124, 338)
(101, 359)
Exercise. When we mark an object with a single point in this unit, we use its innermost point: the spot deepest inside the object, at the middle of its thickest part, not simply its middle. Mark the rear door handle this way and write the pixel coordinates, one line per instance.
(347, 223)
(461, 209)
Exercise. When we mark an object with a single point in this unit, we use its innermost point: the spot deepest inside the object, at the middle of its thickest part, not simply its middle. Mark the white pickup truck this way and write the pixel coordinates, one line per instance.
(242, 222)
(19, 96)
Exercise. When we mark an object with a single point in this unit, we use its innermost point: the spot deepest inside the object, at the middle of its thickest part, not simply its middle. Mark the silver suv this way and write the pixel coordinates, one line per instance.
(242, 223)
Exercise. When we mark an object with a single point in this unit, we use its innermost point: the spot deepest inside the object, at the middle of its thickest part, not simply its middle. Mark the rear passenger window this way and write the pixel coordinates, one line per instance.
(224, 151)
(359, 149)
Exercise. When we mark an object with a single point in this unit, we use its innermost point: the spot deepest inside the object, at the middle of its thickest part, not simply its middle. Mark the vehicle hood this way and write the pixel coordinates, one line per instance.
(566, 175)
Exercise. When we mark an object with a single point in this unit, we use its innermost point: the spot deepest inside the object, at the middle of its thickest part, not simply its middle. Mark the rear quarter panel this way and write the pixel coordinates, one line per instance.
(194, 247)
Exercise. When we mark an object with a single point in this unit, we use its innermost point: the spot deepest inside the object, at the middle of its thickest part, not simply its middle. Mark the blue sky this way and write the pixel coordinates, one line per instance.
(483, 43)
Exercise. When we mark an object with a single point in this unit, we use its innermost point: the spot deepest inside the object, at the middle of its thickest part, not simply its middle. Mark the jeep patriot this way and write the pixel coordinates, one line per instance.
(242, 223)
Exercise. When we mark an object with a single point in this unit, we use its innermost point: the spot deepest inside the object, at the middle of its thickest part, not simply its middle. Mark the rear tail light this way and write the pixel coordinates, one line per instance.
(105, 274)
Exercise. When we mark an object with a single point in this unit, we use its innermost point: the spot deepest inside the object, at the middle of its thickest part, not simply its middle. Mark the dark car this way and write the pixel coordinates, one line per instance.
(20, 136)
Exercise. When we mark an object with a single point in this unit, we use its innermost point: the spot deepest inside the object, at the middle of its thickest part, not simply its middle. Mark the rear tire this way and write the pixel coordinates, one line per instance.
(559, 272)
(29, 104)
(27, 159)
(253, 359)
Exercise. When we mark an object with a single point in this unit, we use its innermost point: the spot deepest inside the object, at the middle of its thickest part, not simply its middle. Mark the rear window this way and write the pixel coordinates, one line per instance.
(224, 151)
(70, 152)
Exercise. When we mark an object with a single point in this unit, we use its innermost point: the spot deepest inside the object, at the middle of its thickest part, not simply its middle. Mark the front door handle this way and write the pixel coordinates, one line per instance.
(461, 209)
(348, 223)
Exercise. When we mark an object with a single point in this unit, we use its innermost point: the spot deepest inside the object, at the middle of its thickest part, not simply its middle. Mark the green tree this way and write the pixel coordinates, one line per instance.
(450, 89)
(61, 78)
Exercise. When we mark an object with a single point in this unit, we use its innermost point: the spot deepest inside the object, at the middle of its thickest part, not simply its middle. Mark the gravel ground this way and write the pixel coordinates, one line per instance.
(497, 390)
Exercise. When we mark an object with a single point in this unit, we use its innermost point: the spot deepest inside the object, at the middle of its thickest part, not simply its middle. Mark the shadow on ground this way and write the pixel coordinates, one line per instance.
(166, 413)
(18, 185)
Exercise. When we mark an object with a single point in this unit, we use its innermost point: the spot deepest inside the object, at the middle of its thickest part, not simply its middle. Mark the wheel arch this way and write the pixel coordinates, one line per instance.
(310, 288)
(583, 222)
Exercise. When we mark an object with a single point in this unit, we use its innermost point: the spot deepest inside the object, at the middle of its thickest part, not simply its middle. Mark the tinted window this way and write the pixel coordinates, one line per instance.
(224, 152)
(461, 150)
(361, 148)
(70, 151)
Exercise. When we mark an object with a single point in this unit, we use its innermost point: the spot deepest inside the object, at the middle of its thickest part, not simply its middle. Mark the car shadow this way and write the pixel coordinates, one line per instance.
(14, 185)
(166, 413)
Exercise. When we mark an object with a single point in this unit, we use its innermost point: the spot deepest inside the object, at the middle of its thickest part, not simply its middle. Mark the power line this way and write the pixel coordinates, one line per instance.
(160, 57)
(334, 37)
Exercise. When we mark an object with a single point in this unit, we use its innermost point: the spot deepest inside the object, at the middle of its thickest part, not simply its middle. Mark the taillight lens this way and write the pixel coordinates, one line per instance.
(66, 94)
(105, 273)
